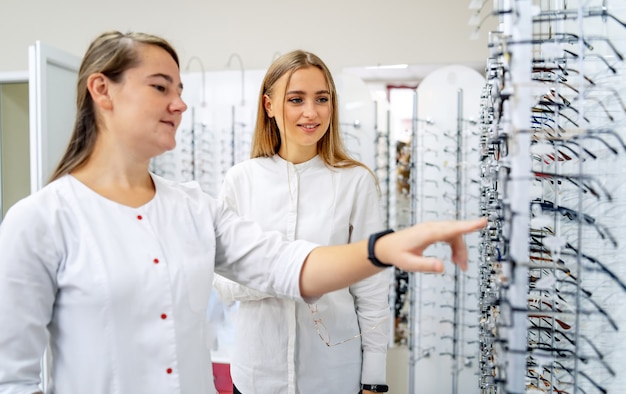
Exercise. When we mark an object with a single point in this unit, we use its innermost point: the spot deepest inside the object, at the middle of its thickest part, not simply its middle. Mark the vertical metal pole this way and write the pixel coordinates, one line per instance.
(581, 115)
(412, 276)
(518, 188)
(390, 155)
(383, 137)
(457, 274)
(193, 143)
(232, 137)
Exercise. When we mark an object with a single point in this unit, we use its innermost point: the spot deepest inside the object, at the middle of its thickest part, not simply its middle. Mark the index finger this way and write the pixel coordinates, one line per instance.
(446, 230)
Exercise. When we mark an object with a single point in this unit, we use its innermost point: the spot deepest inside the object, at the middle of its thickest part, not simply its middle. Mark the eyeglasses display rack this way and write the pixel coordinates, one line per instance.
(551, 141)
(443, 349)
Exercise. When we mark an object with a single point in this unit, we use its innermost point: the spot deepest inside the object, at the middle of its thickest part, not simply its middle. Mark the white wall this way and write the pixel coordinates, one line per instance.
(345, 33)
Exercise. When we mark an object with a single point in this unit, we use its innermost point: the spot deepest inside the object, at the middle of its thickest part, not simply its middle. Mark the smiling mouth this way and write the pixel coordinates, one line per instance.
(309, 126)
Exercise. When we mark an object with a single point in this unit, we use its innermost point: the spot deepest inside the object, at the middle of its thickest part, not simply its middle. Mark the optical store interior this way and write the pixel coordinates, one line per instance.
(513, 110)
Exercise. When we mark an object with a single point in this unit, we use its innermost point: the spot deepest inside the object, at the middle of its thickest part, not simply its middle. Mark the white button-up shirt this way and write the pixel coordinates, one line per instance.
(124, 291)
(277, 348)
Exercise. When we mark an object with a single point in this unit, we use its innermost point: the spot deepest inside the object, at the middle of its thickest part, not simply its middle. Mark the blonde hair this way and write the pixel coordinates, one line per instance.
(111, 53)
(266, 140)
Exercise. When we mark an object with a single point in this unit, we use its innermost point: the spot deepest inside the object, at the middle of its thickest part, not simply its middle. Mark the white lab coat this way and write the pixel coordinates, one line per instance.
(277, 348)
(124, 291)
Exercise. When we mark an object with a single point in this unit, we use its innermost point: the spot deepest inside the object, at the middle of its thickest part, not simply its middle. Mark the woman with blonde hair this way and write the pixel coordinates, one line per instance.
(301, 182)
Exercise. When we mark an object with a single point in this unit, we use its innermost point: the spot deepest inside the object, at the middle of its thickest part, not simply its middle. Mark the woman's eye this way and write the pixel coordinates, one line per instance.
(160, 88)
(323, 99)
(295, 100)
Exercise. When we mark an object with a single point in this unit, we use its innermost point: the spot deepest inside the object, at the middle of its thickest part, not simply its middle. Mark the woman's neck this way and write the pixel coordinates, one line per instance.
(118, 179)
(297, 155)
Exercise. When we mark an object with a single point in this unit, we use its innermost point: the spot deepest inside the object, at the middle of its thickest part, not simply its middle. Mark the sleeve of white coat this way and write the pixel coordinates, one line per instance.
(260, 260)
(230, 291)
(227, 290)
(28, 262)
(371, 295)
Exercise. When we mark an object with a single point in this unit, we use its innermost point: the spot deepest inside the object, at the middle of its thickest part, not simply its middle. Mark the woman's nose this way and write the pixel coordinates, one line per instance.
(309, 110)
(179, 104)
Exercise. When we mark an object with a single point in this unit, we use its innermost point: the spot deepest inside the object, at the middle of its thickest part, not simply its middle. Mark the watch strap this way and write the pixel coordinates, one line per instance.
(375, 388)
(370, 249)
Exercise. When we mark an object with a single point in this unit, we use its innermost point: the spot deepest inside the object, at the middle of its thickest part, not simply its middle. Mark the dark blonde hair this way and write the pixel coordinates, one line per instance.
(266, 140)
(111, 53)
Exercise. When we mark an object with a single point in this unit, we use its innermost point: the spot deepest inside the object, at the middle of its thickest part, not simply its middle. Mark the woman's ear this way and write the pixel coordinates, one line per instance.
(267, 103)
(98, 86)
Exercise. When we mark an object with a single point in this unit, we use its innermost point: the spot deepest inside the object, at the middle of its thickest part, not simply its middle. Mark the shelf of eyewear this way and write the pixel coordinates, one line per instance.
(552, 160)
(443, 328)
(206, 149)
(210, 141)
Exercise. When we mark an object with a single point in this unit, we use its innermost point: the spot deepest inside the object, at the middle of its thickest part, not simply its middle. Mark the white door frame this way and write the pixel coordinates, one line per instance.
(48, 70)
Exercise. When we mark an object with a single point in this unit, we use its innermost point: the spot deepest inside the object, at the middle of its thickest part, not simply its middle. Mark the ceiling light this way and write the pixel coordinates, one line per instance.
(389, 67)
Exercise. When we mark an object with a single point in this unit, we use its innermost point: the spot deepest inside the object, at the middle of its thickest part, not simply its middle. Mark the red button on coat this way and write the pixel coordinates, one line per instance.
(169, 370)
(164, 316)
(156, 261)
(139, 217)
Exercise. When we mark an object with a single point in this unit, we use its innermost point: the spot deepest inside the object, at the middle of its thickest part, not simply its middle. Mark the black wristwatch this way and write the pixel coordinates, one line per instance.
(375, 388)
(370, 251)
